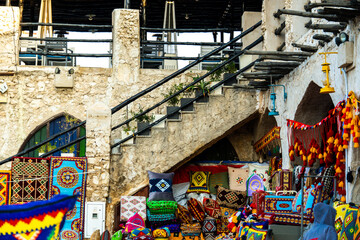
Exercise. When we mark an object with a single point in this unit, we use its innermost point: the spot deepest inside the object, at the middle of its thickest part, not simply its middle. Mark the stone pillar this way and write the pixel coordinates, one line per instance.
(98, 130)
(248, 20)
(9, 36)
(270, 23)
(126, 45)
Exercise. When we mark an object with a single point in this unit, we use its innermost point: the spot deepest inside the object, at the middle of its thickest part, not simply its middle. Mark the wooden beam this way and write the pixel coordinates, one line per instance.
(277, 64)
(346, 13)
(326, 27)
(254, 52)
(282, 58)
(330, 17)
(344, 4)
(323, 37)
(8, 73)
(279, 29)
(305, 48)
(267, 68)
(268, 76)
(281, 47)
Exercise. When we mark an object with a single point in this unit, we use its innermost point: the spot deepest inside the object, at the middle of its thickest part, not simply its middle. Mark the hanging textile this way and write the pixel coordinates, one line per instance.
(272, 136)
(69, 177)
(30, 177)
(5, 187)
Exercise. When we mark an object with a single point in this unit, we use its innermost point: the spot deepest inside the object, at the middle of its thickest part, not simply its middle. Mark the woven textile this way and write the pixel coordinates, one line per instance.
(230, 198)
(160, 185)
(348, 225)
(30, 179)
(117, 236)
(183, 214)
(227, 212)
(221, 225)
(210, 236)
(69, 178)
(259, 201)
(5, 187)
(256, 234)
(297, 198)
(156, 225)
(143, 238)
(160, 217)
(254, 183)
(278, 204)
(212, 208)
(162, 207)
(196, 209)
(129, 205)
(134, 222)
(209, 225)
(286, 218)
(199, 182)
(219, 179)
(174, 228)
(357, 226)
(313, 198)
(140, 231)
(161, 233)
(36, 220)
(237, 178)
(190, 229)
(328, 183)
(263, 171)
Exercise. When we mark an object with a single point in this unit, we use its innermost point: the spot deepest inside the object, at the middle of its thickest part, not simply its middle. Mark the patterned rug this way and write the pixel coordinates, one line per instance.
(5, 178)
(68, 178)
(29, 179)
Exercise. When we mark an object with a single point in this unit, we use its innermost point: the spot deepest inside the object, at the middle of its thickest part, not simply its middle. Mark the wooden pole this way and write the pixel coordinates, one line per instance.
(331, 17)
(323, 37)
(326, 27)
(254, 52)
(21, 9)
(305, 48)
(8, 3)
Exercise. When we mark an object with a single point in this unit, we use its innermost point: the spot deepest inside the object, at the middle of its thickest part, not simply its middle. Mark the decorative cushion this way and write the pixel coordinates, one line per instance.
(199, 182)
(140, 231)
(263, 171)
(229, 198)
(259, 201)
(160, 185)
(117, 236)
(343, 210)
(254, 183)
(209, 236)
(237, 178)
(129, 205)
(212, 208)
(221, 226)
(160, 217)
(38, 220)
(104, 236)
(219, 179)
(306, 195)
(183, 214)
(296, 201)
(161, 233)
(313, 198)
(357, 226)
(256, 234)
(143, 238)
(245, 226)
(227, 212)
(209, 225)
(196, 209)
(278, 204)
(174, 228)
(134, 222)
(156, 225)
(190, 229)
(162, 207)
(348, 227)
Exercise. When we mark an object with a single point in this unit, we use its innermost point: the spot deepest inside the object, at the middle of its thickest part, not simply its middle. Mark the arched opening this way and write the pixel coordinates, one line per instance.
(54, 125)
(314, 106)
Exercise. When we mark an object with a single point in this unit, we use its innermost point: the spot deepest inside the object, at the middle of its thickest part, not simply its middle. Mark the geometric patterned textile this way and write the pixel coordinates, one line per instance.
(278, 204)
(199, 182)
(183, 214)
(159, 217)
(226, 213)
(209, 225)
(68, 176)
(129, 205)
(196, 209)
(5, 187)
(162, 207)
(160, 186)
(221, 225)
(348, 227)
(191, 229)
(117, 236)
(30, 179)
(254, 183)
(140, 231)
(212, 208)
(237, 178)
(40, 220)
(286, 218)
(209, 236)
(341, 209)
(134, 222)
(259, 201)
(256, 234)
(161, 233)
(230, 198)
(263, 171)
(357, 226)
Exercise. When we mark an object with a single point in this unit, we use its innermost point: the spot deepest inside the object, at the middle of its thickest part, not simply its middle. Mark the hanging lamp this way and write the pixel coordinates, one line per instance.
(273, 111)
(326, 69)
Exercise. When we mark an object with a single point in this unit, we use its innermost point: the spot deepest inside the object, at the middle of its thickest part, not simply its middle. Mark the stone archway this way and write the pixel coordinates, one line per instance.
(314, 106)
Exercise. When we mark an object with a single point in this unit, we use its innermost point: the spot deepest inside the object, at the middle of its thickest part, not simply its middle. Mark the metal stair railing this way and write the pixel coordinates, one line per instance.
(151, 88)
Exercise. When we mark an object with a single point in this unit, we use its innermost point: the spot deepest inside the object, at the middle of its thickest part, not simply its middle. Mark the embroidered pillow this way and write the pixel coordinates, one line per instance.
(221, 226)
(160, 186)
(190, 229)
(219, 179)
(227, 212)
(199, 182)
(229, 198)
(161, 233)
(196, 209)
(257, 234)
(174, 228)
(209, 225)
(313, 199)
(295, 201)
(212, 208)
(306, 195)
(254, 183)
(144, 237)
(162, 207)
(237, 178)
(183, 214)
(117, 236)
(160, 217)
(137, 232)
(134, 222)
(263, 171)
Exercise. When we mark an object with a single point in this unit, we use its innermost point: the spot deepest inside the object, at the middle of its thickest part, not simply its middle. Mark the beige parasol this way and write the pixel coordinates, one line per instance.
(45, 16)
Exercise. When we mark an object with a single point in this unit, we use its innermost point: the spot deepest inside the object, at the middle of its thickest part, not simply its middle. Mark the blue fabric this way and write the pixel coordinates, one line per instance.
(298, 201)
(323, 227)
(160, 186)
(311, 198)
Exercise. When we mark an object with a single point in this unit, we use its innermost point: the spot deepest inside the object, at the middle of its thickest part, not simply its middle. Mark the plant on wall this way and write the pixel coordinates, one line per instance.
(171, 91)
(143, 118)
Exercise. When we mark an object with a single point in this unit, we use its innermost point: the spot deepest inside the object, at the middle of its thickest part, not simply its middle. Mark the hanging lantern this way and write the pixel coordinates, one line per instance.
(326, 69)
(273, 111)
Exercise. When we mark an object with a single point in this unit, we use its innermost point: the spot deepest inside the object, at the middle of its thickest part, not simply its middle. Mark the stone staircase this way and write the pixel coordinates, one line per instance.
(180, 140)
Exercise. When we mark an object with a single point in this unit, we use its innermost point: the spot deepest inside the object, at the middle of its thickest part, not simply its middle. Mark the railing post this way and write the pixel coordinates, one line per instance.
(126, 45)
(9, 36)
(98, 125)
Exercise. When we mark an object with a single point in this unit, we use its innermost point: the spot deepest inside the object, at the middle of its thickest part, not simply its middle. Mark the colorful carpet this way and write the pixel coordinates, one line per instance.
(30, 179)
(5, 187)
(69, 178)
(38, 220)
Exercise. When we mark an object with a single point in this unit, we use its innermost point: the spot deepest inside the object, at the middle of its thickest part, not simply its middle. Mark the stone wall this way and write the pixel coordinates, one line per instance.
(9, 32)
